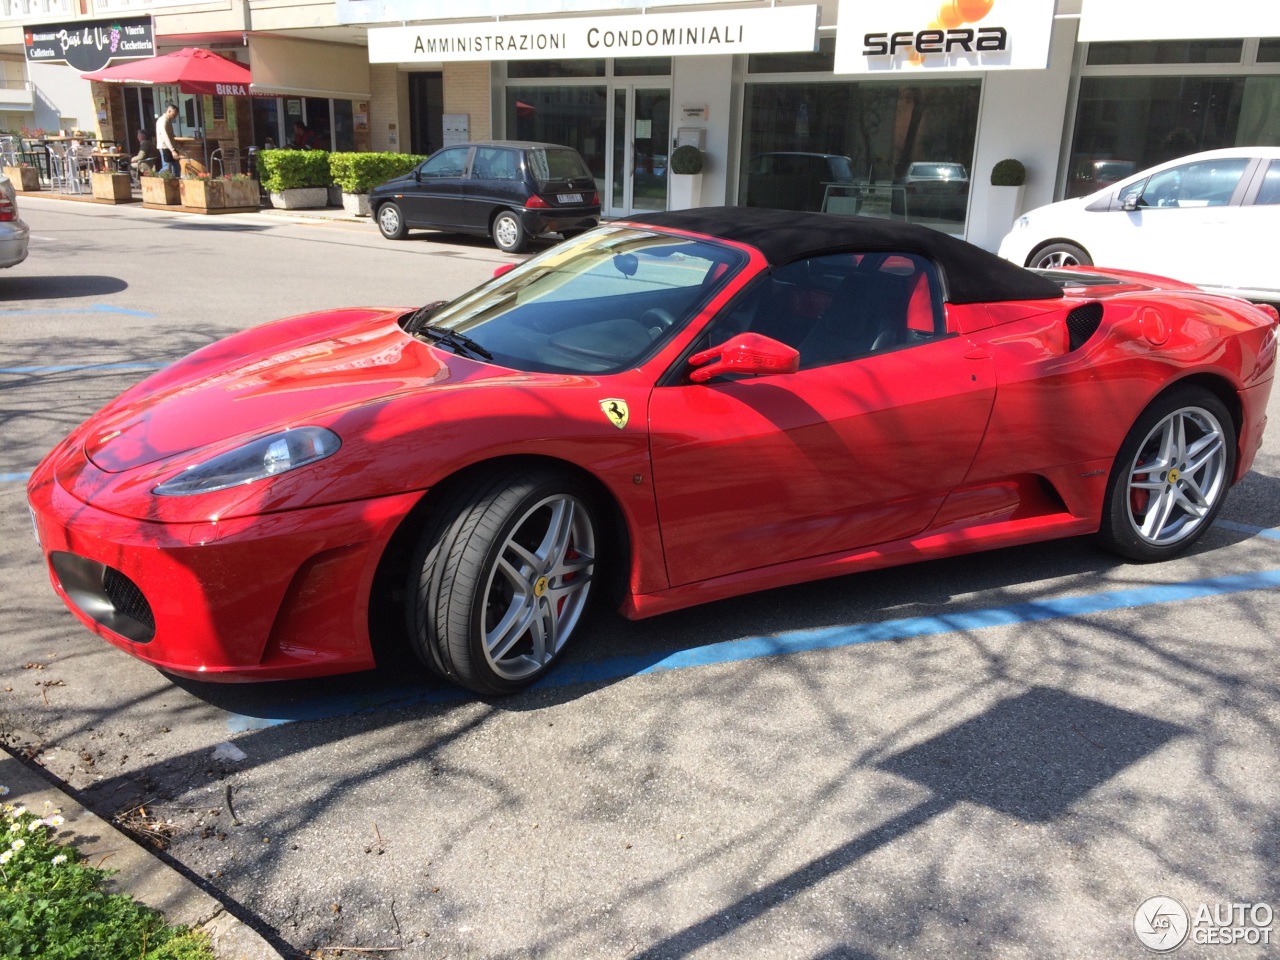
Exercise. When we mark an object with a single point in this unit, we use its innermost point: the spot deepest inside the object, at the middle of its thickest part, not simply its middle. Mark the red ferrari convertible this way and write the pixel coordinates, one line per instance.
(667, 410)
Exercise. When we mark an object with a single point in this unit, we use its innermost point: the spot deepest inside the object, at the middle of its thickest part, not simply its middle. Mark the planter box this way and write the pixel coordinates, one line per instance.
(115, 187)
(356, 204)
(685, 191)
(301, 198)
(241, 193)
(25, 179)
(161, 190)
(335, 195)
(202, 194)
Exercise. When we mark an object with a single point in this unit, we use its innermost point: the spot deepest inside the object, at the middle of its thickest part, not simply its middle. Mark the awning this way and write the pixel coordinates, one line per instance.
(194, 71)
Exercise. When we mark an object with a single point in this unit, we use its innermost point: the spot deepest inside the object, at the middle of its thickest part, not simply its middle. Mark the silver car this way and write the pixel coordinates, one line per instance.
(13, 232)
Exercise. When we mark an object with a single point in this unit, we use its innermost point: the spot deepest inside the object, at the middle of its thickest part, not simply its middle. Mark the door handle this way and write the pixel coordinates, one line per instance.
(977, 353)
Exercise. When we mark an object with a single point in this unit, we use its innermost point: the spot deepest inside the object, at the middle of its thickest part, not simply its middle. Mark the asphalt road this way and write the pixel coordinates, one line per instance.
(1000, 755)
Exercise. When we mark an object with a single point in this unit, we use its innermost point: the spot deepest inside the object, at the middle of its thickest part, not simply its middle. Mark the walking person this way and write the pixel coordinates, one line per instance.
(164, 139)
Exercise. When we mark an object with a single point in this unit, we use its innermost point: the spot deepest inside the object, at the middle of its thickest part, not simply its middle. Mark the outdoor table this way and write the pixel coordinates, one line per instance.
(110, 161)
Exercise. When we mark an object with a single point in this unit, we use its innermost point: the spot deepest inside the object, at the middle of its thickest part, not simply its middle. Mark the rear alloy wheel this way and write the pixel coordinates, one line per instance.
(1171, 476)
(1060, 255)
(508, 232)
(391, 222)
(500, 581)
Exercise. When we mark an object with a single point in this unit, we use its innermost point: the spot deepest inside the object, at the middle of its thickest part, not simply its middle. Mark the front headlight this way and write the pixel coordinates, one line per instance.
(265, 457)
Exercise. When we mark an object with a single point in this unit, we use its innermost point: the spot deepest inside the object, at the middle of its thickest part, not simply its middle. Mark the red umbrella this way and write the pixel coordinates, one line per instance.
(192, 69)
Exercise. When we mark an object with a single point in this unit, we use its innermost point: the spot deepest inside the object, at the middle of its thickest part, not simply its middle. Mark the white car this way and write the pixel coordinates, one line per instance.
(13, 232)
(1210, 219)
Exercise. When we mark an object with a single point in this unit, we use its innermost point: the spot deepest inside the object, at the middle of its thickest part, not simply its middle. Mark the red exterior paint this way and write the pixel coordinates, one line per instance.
(996, 435)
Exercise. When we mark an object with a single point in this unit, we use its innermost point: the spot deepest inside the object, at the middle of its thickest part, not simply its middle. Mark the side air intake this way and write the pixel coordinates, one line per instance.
(1082, 323)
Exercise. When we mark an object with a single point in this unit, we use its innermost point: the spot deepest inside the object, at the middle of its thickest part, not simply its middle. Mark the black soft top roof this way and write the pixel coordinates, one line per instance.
(971, 274)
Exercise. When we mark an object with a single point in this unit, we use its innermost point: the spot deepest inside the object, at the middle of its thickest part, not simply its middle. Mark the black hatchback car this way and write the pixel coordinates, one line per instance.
(509, 190)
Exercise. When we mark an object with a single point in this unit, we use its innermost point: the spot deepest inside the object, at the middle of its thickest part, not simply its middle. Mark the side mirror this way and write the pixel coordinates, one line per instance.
(749, 353)
(1130, 203)
(503, 268)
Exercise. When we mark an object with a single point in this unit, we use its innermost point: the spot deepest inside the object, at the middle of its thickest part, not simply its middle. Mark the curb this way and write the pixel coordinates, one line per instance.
(140, 873)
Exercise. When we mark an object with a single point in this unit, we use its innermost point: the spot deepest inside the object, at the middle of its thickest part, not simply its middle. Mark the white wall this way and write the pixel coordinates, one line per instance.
(707, 80)
(1023, 116)
(60, 92)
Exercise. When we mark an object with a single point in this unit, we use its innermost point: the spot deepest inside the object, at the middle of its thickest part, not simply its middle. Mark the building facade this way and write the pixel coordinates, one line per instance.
(895, 110)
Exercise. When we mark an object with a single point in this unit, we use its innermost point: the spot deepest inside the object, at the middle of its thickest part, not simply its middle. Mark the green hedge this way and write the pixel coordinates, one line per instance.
(358, 172)
(285, 169)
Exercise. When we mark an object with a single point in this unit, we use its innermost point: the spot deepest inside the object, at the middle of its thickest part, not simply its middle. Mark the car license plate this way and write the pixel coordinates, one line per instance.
(35, 528)
(569, 197)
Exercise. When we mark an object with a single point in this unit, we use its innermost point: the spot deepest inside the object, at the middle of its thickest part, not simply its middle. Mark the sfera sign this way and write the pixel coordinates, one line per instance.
(946, 35)
(772, 30)
(90, 44)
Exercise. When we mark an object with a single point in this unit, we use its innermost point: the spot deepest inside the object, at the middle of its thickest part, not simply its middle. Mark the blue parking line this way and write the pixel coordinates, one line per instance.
(92, 308)
(67, 367)
(14, 477)
(799, 641)
(1270, 534)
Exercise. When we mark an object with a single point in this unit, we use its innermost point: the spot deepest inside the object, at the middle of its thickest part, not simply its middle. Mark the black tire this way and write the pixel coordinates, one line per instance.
(508, 232)
(1059, 255)
(502, 577)
(1188, 486)
(391, 221)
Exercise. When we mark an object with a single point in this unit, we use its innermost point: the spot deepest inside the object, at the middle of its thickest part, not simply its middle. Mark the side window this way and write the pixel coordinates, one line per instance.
(446, 163)
(841, 307)
(1270, 192)
(494, 163)
(1205, 183)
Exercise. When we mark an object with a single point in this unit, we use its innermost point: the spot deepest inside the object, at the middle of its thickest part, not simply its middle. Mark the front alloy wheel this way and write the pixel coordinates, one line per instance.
(391, 222)
(1171, 477)
(501, 582)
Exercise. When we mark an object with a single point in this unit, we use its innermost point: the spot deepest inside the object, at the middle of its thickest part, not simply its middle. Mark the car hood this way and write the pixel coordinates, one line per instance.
(284, 385)
(407, 413)
(394, 184)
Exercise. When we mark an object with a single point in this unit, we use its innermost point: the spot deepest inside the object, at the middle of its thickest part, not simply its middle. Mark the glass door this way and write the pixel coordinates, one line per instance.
(641, 134)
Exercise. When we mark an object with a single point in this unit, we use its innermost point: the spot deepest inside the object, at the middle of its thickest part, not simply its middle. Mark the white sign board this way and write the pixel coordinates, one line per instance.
(402, 11)
(1177, 19)
(772, 30)
(924, 36)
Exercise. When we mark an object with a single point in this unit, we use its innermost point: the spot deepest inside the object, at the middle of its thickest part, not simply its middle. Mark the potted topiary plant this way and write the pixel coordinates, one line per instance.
(295, 179)
(686, 165)
(1005, 204)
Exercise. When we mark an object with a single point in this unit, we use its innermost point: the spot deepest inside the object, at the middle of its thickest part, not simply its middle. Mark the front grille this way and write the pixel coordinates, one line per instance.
(126, 596)
(1082, 323)
(105, 595)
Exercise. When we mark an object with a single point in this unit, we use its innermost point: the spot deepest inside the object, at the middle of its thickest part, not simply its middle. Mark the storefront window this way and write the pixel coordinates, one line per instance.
(544, 69)
(1165, 51)
(899, 151)
(1124, 124)
(642, 67)
(574, 116)
(821, 60)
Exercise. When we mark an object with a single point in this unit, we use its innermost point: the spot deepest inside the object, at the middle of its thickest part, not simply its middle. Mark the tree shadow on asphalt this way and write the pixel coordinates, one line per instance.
(26, 287)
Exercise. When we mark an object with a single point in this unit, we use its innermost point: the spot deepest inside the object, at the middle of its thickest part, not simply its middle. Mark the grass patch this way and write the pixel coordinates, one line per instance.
(53, 906)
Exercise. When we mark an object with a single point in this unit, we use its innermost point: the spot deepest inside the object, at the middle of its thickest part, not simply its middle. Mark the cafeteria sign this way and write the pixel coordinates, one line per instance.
(90, 44)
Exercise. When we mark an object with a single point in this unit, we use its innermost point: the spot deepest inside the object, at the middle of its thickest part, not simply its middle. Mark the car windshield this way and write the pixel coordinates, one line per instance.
(550, 163)
(600, 304)
(938, 171)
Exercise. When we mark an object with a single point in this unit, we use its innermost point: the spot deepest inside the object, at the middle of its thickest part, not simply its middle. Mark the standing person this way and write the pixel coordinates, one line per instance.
(164, 139)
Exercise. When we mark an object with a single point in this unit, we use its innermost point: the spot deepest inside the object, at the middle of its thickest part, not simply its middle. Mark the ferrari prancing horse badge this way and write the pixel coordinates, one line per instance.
(616, 411)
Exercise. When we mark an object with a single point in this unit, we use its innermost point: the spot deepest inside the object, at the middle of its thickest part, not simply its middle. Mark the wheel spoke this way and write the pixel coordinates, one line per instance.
(1191, 497)
(1158, 515)
(513, 625)
(519, 580)
(1202, 451)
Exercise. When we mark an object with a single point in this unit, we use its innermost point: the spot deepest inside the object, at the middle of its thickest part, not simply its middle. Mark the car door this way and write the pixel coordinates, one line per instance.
(1254, 227)
(858, 447)
(436, 198)
(496, 181)
(1179, 222)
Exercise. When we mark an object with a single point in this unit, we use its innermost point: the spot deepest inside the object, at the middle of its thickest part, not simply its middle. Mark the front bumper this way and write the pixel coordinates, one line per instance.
(274, 597)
